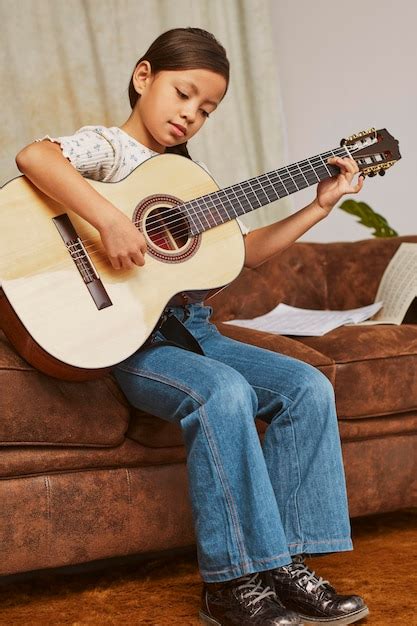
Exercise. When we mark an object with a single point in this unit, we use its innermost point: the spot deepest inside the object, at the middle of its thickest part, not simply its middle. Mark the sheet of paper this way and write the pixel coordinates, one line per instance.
(288, 320)
(398, 286)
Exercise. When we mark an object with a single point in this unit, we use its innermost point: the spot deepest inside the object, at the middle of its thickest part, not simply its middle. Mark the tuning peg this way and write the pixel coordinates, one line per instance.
(342, 142)
(381, 172)
(372, 174)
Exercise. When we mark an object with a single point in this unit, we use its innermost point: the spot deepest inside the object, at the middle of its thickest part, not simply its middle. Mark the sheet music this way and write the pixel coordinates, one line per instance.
(289, 320)
(398, 286)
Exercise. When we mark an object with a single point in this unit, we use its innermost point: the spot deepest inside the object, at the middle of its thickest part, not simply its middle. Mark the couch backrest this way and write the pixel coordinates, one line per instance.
(340, 275)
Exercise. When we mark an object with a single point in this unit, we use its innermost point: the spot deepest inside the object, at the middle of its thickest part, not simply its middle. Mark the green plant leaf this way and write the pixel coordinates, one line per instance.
(368, 217)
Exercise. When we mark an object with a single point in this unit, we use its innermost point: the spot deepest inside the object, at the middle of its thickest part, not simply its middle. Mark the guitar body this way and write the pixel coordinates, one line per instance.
(68, 312)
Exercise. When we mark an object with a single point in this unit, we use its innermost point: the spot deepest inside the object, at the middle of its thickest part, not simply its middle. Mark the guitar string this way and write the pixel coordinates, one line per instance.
(239, 193)
(273, 177)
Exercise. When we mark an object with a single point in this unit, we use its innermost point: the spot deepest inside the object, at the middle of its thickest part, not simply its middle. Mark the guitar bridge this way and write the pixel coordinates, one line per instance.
(82, 261)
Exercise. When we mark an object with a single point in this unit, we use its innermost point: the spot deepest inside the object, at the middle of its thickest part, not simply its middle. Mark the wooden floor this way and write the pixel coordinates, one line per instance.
(162, 592)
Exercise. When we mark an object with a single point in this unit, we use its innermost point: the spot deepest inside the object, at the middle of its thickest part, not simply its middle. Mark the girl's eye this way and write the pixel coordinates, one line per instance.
(181, 94)
(185, 96)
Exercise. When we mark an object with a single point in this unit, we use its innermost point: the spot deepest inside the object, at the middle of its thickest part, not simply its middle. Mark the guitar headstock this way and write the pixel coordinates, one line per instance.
(373, 150)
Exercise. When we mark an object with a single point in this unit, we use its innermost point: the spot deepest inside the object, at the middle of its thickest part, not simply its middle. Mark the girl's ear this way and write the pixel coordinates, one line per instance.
(141, 76)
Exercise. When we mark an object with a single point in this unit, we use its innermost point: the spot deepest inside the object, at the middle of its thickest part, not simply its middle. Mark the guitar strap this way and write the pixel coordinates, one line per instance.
(176, 334)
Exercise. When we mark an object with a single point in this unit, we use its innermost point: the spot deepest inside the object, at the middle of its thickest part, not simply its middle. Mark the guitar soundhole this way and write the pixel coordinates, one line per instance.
(166, 228)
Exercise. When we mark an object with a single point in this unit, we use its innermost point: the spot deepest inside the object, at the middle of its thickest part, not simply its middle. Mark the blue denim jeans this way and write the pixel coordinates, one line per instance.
(253, 505)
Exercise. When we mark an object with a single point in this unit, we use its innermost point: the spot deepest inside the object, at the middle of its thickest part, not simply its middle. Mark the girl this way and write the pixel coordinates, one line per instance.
(257, 510)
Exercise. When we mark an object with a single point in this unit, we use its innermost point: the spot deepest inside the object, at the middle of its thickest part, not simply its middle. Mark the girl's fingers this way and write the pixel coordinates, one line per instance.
(347, 164)
(137, 258)
(359, 184)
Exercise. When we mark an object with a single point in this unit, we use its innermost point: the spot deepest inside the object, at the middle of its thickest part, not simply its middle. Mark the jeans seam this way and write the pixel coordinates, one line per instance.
(321, 541)
(246, 564)
(298, 474)
(273, 391)
(163, 379)
(229, 498)
(281, 395)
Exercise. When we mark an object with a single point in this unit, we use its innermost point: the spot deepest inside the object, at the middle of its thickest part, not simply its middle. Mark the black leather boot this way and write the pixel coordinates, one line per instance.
(244, 601)
(313, 598)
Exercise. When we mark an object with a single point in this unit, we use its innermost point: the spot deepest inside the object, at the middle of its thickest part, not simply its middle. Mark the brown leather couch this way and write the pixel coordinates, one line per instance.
(85, 477)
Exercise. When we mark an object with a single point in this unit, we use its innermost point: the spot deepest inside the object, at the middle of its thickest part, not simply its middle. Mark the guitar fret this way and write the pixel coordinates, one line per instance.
(251, 195)
(279, 187)
(257, 189)
(268, 188)
(308, 171)
(244, 210)
(225, 192)
(190, 216)
(216, 208)
(245, 199)
(204, 215)
(289, 183)
(302, 182)
(271, 191)
(194, 206)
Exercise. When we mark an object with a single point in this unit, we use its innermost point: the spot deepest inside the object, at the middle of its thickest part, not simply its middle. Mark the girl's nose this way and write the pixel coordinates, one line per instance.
(189, 113)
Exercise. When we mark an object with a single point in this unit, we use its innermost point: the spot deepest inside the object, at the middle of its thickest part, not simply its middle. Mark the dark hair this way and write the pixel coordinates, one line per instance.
(184, 49)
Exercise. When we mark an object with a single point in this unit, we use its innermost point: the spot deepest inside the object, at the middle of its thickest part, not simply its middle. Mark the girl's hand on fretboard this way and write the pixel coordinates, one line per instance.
(330, 191)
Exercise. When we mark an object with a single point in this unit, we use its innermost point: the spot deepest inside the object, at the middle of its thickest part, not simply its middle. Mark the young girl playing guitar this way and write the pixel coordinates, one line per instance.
(258, 510)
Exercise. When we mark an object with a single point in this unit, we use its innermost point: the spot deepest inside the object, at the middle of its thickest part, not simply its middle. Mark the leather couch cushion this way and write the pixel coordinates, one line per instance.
(157, 435)
(17, 461)
(37, 409)
(376, 368)
(365, 359)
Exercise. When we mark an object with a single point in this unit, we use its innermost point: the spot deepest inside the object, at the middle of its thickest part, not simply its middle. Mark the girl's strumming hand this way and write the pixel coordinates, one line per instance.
(123, 242)
(330, 191)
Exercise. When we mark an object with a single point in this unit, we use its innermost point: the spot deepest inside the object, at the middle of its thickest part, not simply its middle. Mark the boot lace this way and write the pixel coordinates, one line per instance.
(255, 589)
(302, 571)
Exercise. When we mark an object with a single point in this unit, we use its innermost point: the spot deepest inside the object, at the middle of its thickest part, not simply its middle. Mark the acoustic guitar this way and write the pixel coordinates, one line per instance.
(71, 315)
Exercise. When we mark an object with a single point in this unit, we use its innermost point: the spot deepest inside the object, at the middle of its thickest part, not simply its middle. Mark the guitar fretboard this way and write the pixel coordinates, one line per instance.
(226, 204)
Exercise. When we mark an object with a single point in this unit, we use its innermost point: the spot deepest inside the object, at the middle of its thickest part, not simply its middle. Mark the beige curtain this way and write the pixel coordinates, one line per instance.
(67, 63)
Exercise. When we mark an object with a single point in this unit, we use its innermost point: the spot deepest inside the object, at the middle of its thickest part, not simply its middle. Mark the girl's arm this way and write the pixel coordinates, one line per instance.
(264, 242)
(45, 165)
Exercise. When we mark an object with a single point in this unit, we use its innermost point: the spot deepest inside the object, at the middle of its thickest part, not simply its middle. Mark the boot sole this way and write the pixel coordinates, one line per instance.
(337, 621)
(205, 619)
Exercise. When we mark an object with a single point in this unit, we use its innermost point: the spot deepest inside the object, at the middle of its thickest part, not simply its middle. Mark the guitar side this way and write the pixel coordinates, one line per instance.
(48, 295)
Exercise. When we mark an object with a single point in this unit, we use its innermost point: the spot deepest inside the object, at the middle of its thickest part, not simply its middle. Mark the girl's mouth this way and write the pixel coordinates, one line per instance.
(178, 129)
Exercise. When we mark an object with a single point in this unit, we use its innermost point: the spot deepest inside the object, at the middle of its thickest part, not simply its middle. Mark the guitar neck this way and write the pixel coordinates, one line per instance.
(216, 208)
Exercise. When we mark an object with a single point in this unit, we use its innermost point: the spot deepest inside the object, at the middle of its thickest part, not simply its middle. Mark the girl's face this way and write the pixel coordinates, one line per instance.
(173, 105)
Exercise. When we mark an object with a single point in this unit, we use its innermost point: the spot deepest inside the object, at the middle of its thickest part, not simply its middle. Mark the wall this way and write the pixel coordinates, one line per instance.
(343, 68)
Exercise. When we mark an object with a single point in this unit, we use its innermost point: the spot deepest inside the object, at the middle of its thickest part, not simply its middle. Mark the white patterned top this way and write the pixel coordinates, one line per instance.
(108, 154)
